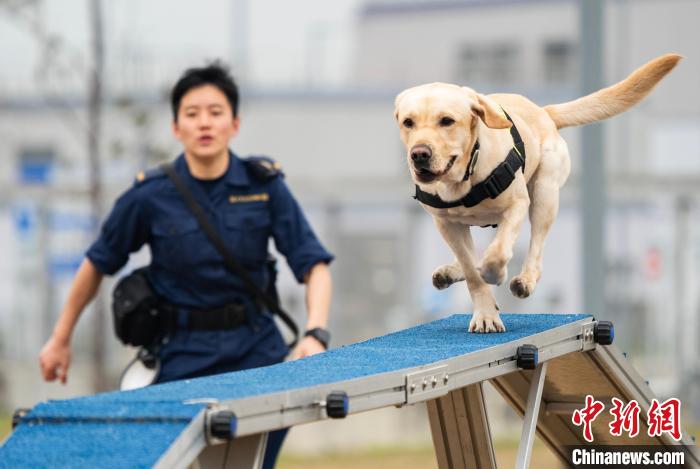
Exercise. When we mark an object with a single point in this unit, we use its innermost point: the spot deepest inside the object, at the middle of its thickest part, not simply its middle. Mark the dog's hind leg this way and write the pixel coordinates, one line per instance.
(544, 205)
(485, 317)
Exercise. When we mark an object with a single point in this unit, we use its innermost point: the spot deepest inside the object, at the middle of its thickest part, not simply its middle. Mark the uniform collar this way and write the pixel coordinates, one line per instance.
(236, 174)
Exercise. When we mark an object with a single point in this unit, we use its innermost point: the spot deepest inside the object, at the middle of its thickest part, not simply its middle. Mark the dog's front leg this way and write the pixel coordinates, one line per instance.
(485, 317)
(494, 266)
(447, 274)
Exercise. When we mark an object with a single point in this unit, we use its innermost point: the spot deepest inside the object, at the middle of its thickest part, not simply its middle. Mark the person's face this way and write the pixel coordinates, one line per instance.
(205, 123)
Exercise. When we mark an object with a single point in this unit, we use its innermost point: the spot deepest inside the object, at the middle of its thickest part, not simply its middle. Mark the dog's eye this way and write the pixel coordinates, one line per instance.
(446, 121)
(408, 123)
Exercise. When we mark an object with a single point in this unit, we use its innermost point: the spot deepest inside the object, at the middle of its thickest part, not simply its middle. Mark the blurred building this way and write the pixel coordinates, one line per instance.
(652, 153)
(344, 161)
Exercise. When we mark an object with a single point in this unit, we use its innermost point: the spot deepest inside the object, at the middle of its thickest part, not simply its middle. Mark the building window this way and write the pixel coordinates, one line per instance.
(35, 166)
(560, 64)
(487, 64)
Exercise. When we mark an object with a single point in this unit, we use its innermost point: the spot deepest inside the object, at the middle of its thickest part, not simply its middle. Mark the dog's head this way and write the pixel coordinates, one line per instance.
(438, 125)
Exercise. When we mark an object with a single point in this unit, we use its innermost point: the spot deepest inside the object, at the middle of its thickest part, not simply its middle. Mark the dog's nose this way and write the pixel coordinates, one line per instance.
(421, 154)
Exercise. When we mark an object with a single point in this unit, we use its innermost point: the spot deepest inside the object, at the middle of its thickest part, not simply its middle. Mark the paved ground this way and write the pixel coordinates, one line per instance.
(406, 458)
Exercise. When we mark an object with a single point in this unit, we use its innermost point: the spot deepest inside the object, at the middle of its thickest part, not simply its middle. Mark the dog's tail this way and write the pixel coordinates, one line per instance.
(615, 99)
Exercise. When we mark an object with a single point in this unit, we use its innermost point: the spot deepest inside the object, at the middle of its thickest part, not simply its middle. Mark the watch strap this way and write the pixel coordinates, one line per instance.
(320, 334)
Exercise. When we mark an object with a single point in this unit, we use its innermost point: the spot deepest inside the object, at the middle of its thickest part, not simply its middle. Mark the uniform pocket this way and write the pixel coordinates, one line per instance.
(249, 229)
(170, 228)
(173, 240)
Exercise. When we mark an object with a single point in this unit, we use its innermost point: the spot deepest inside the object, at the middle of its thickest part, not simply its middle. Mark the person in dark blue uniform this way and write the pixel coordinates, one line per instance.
(219, 327)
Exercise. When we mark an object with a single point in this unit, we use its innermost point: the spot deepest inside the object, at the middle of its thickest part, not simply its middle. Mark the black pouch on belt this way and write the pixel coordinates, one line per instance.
(140, 318)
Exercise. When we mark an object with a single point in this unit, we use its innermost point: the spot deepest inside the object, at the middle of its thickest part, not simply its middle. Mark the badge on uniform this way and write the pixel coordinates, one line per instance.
(235, 199)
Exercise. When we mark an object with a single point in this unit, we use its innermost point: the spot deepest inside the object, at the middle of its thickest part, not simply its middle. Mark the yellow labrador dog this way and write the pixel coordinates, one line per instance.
(471, 169)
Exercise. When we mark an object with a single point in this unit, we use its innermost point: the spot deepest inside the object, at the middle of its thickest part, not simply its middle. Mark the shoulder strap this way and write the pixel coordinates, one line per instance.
(231, 263)
(148, 174)
(263, 168)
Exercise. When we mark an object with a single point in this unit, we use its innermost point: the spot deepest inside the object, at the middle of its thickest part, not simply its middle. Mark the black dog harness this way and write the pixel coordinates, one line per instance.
(491, 187)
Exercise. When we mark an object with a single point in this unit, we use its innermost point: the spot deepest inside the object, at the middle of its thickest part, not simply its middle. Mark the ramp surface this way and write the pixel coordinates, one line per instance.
(135, 428)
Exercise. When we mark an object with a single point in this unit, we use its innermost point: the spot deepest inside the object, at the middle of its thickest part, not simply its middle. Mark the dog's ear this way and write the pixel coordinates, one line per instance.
(490, 113)
(396, 104)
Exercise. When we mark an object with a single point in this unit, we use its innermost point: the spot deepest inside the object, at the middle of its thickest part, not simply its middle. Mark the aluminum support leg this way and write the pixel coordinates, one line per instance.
(240, 453)
(534, 400)
(460, 429)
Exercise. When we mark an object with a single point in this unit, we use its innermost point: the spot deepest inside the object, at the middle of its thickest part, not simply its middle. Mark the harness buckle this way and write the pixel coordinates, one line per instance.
(492, 187)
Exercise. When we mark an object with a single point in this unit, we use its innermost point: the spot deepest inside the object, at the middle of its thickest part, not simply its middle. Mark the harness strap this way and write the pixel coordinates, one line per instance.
(472, 160)
(494, 185)
(518, 144)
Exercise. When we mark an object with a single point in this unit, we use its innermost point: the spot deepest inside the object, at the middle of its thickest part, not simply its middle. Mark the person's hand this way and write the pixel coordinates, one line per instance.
(307, 347)
(54, 360)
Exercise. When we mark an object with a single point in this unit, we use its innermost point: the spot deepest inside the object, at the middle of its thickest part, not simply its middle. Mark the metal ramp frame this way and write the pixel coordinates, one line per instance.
(202, 427)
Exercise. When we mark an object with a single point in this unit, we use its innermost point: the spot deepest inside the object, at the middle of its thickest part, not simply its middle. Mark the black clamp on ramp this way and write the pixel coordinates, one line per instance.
(604, 333)
(527, 357)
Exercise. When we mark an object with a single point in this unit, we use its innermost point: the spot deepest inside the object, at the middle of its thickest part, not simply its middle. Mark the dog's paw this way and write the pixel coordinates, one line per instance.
(483, 323)
(445, 276)
(493, 273)
(521, 286)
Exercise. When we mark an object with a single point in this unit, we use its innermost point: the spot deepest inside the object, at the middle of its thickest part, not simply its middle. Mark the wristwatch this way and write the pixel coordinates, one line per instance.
(319, 334)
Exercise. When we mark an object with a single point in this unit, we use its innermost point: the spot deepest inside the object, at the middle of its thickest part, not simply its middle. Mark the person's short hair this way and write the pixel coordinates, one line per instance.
(215, 74)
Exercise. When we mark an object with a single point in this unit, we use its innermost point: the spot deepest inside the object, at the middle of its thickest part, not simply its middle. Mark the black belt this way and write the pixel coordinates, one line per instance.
(226, 317)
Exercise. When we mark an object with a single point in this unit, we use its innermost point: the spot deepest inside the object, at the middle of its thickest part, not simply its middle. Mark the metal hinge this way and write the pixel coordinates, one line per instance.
(427, 384)
(588, 337)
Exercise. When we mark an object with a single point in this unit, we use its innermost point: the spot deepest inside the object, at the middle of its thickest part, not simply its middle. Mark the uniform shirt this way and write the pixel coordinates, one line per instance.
(185, 268)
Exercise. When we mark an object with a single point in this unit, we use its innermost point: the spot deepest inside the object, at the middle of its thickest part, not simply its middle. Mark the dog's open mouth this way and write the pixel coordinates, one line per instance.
(425, 175)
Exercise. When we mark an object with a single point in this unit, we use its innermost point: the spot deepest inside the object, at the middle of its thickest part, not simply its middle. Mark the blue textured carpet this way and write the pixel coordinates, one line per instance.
(134, 428)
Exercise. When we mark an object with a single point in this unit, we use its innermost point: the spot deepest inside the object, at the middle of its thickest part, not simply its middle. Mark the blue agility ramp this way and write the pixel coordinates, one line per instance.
(544, 365)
